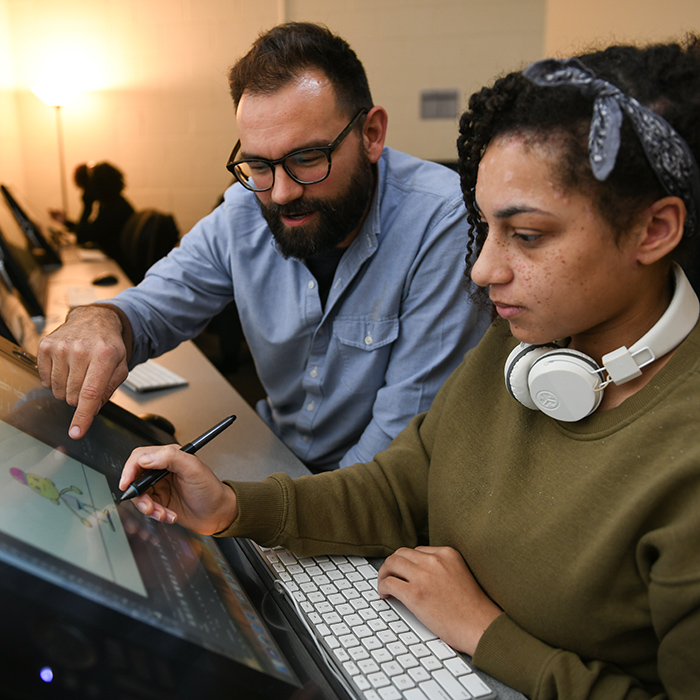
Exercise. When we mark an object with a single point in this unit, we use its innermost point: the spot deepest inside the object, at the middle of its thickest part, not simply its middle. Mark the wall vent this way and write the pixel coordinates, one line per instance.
(439, 104)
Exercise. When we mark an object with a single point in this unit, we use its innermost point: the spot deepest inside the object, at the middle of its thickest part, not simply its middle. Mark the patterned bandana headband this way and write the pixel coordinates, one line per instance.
(666, 150)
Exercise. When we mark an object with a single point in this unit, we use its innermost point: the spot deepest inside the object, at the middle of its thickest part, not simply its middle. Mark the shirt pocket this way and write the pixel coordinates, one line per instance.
(364, 346)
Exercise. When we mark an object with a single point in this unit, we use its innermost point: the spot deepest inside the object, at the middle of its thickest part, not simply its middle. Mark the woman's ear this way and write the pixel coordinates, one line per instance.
(374, 132)
(662, 230)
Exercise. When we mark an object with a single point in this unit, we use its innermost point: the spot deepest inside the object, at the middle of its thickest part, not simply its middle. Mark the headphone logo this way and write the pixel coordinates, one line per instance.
(547, 400)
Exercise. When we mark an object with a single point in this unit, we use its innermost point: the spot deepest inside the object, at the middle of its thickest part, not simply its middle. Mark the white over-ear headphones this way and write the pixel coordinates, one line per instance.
(568, 385)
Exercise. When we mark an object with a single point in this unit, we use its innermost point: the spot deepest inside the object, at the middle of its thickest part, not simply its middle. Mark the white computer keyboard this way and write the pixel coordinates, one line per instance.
(378, 646)
(150, 376)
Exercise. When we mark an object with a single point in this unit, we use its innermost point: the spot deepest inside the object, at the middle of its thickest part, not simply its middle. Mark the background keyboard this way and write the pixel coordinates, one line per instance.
(378, 646)
(150, 376)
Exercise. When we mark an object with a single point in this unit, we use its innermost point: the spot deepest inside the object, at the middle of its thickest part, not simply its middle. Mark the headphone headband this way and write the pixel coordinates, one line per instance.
(625, 364)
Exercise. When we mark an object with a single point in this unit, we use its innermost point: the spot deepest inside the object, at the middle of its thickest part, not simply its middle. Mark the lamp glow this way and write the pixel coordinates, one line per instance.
(62, 78)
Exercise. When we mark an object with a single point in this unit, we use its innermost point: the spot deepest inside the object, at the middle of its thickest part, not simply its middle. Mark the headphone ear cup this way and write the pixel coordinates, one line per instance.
(517, 369)
(565, 384)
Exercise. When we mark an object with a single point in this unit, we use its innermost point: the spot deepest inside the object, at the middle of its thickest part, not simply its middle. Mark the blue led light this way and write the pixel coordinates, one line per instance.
(46, 674)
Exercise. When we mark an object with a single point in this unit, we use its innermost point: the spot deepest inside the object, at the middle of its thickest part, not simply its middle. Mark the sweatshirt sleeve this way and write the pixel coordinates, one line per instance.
(367, 509)
(542, 672)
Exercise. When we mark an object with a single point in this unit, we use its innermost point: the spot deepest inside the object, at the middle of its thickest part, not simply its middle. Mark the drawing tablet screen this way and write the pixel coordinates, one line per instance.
(59, 522)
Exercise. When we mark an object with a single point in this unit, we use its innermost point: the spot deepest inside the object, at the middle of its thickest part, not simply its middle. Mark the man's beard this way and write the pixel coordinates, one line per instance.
(337, 219)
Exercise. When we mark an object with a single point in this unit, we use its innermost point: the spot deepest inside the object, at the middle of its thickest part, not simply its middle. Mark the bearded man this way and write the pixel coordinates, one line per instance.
(342, 256)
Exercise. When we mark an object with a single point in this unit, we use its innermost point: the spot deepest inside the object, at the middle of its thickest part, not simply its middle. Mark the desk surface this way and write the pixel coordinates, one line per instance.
(248, 450)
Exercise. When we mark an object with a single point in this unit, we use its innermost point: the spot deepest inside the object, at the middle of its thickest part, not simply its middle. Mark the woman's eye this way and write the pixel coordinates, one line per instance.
(526, 237)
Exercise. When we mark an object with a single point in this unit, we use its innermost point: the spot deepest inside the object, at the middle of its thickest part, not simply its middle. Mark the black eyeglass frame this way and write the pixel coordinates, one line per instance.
(327, 150)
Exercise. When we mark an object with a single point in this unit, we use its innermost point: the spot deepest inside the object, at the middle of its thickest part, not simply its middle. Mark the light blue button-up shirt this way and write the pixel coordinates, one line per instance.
(344, 380)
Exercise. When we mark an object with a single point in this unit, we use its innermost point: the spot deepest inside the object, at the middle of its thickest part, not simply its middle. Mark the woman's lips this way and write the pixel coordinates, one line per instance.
(507, 311)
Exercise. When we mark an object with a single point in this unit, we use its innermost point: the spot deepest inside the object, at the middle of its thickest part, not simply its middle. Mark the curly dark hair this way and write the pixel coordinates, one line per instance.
(281, 54)
(664, 77)
(101, 181)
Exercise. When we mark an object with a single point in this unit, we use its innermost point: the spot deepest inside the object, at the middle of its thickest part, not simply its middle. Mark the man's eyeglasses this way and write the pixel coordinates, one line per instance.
(306, 166)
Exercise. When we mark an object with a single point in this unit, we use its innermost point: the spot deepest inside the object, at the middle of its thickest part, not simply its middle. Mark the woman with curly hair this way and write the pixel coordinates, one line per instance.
(102, 184)
(548, 524)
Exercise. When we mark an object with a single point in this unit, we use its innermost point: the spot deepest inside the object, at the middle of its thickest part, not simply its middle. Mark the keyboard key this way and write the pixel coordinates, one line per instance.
(349, 640)
(408, 661)
(408, 638)
(457, 666)
(419, 650)
(431, 663)
(367, 571)
(331, 641)
(368, 666)
(381, 655)
(451, 685)
(440, 649)
(415, 694)
(362, 631)
(358, 653)
(391, 668)
(475, 685)
(361, 682)
(378, 680)
(341, 654)
(377, 624)
(340, 628)
(389, 616)
(350, 668)
(371, 643)
(403, 682)
(399, 626)
(396, 648)
(418, 674)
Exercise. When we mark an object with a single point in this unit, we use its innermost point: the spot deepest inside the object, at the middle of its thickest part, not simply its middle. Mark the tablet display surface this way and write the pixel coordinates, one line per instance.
(59, 523)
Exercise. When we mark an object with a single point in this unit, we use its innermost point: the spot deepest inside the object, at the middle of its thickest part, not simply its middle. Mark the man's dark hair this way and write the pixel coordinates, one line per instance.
(284, 52)
(664, 77)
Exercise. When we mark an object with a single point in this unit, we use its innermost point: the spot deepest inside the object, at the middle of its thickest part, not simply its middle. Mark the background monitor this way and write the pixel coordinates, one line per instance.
(20, 271)
(15, 323)
(39, 244)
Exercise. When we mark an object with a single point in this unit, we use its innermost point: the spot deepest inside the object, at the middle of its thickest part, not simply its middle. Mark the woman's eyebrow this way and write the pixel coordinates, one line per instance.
(513, 210)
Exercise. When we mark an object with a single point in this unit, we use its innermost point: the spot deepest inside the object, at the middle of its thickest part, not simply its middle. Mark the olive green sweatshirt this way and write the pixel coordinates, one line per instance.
(586, 534)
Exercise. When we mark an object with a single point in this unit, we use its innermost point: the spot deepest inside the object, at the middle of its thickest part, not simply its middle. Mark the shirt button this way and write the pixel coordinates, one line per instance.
(310, 406)
(368, 339)
(314, 373)
(312, 284)
(305, 438)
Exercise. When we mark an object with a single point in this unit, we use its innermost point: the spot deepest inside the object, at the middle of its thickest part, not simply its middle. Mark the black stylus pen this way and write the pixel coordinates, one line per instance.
(145, 481)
